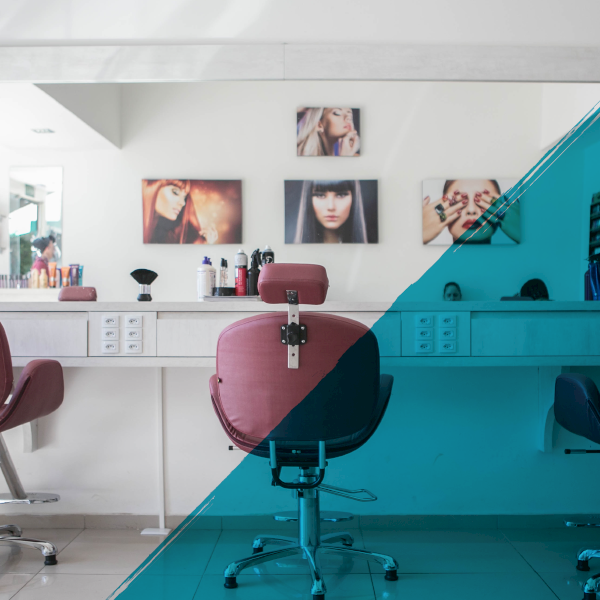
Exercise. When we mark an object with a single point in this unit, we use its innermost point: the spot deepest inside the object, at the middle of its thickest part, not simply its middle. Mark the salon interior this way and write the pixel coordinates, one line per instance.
(257, 349)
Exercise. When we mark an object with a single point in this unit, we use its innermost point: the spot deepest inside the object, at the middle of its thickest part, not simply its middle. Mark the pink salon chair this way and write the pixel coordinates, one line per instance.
(301, 389)
(38, 392)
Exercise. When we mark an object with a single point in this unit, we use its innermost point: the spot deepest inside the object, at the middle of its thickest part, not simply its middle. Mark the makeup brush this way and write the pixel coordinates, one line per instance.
(144, 277)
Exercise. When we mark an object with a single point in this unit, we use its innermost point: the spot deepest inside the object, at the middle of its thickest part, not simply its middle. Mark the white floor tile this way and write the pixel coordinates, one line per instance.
(447, 551)
(11, 583)
(15, 559)
(105, 552)
(283, 587)
(566, 586)
(69, 587)
(496, 586)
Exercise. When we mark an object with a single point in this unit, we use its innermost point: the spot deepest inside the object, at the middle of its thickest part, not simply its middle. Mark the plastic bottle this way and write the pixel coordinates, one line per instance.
(253, 273)
(205, 277)
(223, 276)
(268, 256)
(241, 273)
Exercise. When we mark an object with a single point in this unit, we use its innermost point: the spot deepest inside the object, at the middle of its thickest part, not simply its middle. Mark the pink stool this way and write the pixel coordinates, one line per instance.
(38, 392)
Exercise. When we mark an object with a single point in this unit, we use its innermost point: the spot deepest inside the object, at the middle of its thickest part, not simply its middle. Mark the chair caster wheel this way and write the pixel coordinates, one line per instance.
(321, 597)
(582, 565)
(257, 550)
(346, 545)
(230, 583)
(589, 596)
(391, 575)
(50, 560)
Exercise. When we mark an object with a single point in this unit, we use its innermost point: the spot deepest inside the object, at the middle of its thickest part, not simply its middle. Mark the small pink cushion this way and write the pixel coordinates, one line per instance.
(310, 281)
(77, 293)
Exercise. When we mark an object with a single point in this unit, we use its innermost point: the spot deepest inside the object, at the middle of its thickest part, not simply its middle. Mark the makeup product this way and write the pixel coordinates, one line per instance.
(268, 256)
(74, 275)
(65, 272)
(241, 273)
(205, 278)
(253, 273)
(52, 274)
(223, 274)
(35, 278)
(43, 279)
(144, 277)
(80, 274)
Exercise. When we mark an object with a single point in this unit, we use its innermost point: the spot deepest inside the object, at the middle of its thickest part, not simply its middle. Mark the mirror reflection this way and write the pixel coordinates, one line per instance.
(35, 221)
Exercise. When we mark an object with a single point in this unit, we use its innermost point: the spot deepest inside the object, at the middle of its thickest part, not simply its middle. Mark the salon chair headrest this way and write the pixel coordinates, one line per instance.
(310, 281)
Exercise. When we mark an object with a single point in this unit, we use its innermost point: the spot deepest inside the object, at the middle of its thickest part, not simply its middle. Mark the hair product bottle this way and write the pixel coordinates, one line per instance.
(268, 256)
(253, 273)
(241, 273)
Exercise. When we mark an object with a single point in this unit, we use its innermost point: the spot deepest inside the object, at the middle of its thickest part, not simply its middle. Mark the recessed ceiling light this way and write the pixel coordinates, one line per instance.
(43, 130)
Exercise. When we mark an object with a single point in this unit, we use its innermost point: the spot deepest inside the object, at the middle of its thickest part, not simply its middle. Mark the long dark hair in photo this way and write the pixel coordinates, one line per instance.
(308, 228)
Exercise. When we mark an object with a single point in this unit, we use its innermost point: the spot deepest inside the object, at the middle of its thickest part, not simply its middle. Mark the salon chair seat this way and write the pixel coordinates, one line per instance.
(301, 389)
(577, 409)
(38, 392)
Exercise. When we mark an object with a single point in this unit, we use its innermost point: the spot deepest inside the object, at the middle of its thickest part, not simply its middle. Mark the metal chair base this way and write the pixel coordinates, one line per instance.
(310, 543)
(30, 498)
(327, 516)
(11, 534)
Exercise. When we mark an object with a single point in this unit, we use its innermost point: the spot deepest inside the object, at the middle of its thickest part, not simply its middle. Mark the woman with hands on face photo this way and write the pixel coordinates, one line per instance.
(472, 209)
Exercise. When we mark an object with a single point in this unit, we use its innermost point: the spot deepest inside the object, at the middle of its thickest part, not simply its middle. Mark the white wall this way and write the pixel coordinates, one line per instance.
(466, 22)
(246, 131)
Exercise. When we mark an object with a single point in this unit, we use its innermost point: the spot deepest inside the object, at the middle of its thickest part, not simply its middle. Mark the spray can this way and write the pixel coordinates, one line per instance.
(268, 256)
(253, 273)
(241, 273)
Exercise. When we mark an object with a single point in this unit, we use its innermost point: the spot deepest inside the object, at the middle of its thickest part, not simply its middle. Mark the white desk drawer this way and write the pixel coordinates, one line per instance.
(46, 334)
(193, 333)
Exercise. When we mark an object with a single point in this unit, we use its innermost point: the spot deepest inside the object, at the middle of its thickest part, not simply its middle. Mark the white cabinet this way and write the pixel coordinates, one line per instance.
(47, 334)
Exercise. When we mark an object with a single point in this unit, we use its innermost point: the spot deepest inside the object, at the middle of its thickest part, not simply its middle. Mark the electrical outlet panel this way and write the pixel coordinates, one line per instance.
(133, 333)
(110, 320)
(133, 347)
(133, 320)
(110, 333)
(110, 347)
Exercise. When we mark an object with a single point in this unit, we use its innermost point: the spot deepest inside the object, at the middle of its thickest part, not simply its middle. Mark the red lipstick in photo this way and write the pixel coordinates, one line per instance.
(469, 223)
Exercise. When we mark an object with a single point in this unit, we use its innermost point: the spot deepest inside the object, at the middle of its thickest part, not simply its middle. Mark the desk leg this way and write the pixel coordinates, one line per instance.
(546, 379)
(161, 530)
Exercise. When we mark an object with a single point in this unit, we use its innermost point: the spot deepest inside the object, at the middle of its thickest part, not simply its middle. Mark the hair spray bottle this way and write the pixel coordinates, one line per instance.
(241, 273)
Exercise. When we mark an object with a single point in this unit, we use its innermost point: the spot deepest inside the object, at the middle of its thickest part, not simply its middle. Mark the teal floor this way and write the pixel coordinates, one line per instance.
(526, 564)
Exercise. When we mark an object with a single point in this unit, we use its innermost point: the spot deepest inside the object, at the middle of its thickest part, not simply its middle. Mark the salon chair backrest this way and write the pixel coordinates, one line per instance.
(336, 387)
(577, 405)
(39, 391)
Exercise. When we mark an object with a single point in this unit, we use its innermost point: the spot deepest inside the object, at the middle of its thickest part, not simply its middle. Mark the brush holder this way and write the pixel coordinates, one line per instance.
(144, 295)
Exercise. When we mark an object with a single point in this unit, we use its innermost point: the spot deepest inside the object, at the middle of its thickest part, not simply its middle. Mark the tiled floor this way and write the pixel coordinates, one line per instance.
(525, 564)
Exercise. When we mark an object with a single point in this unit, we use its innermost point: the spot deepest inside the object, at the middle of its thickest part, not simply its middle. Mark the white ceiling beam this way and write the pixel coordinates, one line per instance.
(239, 62)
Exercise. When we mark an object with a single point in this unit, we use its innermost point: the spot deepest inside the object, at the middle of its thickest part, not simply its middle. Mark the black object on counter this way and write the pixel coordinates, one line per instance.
(144, 277)
(224, 291)
(253, 273)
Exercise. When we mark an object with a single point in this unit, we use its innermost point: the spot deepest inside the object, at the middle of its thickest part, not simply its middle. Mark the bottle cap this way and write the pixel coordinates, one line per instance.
(206, 261)
(223, 262)
(267, 247)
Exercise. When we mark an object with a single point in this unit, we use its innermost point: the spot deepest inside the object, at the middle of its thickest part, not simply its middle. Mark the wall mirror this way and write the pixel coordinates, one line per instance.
(35, 210)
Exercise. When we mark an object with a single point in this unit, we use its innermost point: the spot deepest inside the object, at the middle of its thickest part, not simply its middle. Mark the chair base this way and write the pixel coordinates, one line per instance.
(310, 543)
(31, 498)
(14, 532)
(329, 516)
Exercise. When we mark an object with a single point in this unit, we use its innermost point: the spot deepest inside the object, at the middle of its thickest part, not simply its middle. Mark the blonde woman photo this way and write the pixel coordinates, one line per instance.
(328, 131)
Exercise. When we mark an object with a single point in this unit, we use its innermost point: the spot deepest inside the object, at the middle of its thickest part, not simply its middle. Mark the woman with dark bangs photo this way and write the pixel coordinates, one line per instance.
(331, 212)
